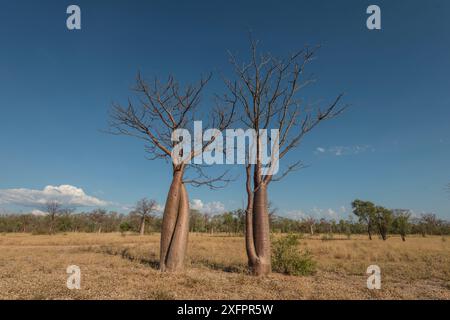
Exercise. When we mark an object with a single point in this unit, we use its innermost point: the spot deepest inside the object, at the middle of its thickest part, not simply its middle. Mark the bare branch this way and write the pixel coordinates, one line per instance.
(267, 92)
(202, 179)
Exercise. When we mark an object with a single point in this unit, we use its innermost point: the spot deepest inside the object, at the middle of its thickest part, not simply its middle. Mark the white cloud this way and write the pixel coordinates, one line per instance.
(196, 204)
(296, 214)
(65, 194)
(159, 207)
(38, 213)
(321, 150)
(344, 150)
(315, 212)
(214, 207)
(332, 214)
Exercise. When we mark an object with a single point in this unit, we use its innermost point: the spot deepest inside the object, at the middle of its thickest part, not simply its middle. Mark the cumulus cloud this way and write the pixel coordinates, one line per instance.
(159, 207)
(344, 150)
(296, 214)
(315, 212)
(38, 213)
(214, 207)
(65, 194)
(332, 214)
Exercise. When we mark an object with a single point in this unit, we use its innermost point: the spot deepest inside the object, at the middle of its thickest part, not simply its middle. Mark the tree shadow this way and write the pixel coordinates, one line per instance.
(218, 266)
(151, 262)
(124, 253)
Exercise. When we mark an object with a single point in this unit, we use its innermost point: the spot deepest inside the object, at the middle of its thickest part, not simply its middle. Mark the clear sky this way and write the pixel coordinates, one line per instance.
(56, 86)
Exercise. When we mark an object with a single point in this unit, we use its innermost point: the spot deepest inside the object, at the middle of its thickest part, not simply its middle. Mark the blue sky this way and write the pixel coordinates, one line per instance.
(56, 86)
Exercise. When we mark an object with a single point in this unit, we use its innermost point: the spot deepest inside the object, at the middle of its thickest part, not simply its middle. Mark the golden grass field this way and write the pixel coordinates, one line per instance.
(114, 266)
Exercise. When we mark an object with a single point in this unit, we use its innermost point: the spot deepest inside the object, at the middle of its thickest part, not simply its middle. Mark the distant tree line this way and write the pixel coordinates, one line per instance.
(144, 220)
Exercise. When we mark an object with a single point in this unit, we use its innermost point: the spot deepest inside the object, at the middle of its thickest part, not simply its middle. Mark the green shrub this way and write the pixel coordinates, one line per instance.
(125, 226)
(327, 237)
(287, 259)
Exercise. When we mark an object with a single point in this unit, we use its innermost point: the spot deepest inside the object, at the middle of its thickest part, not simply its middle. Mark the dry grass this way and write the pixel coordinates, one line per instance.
(125, 267)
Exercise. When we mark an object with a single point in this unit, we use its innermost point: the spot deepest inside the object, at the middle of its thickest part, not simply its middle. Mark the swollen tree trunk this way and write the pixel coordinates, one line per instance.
(261, 232)
(370, 234)
(52, 222)
(403, 237)
(249, 239)
(257, 232)
(175, 226)
(178, 245)
(142, 228)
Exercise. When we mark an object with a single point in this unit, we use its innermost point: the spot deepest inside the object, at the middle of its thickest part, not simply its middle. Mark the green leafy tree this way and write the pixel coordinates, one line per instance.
(366, 213)
(401, 222)
(197, 221)
(383, 221)
(125, 226)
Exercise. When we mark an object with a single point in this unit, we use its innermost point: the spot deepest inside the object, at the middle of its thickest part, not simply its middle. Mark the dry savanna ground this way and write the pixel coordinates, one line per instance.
(115, 266)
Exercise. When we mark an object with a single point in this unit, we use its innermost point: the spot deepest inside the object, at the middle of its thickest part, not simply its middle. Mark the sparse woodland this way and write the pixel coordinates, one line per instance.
(231, 223)
(263, 92)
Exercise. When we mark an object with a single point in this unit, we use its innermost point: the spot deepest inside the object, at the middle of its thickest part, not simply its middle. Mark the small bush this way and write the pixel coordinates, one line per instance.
(287, 259)
(348, 233)
(327, 237)
(125, 226)
(41, 230)
(162, 295)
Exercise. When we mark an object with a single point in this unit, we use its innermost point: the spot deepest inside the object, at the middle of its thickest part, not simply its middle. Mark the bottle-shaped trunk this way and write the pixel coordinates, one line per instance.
(261, 232)
(142, 227)
(175, 226)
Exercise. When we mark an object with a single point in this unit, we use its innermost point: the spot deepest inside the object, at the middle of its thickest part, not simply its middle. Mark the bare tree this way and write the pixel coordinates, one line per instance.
(162, 108)
(267, 90)
(310, 222)
(144, 209)
(98, 216)
(53, 208)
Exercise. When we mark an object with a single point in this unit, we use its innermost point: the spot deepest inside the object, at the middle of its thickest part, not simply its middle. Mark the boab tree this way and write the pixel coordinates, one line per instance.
(161, 109)
(98, 216)
(144, 208)
(53, 208)
(267, 90)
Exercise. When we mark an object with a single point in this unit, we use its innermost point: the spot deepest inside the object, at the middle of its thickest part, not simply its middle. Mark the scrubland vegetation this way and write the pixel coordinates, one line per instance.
(125, 266)
(230, 222)
(119, 256)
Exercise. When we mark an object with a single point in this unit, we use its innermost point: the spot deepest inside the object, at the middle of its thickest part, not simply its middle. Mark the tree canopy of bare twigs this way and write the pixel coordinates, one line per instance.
(144, 209)
(160, 108)
(267, 90)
